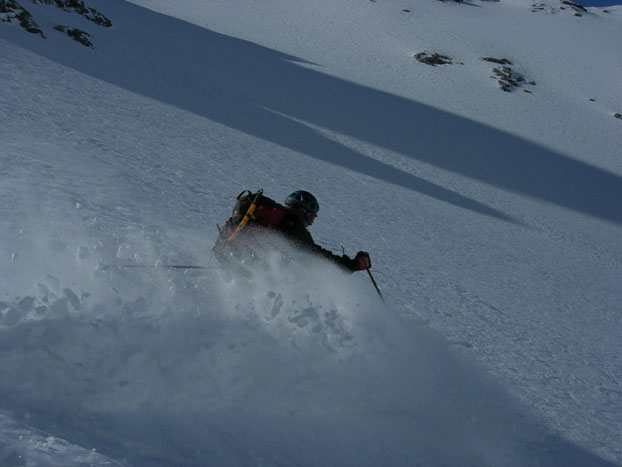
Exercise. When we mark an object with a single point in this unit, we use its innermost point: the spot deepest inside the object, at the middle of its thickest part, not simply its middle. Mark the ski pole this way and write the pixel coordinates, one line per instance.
(156, 266)
(373, 281)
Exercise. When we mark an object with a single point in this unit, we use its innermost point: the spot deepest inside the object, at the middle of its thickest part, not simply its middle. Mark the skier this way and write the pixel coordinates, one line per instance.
(292, 220)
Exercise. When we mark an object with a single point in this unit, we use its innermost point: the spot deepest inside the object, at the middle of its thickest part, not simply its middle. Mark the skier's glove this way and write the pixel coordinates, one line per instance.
(362, 260)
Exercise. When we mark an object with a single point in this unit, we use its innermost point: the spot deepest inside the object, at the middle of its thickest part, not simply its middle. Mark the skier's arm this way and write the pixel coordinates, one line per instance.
(294, 229)
(360, 262)
(343, 261)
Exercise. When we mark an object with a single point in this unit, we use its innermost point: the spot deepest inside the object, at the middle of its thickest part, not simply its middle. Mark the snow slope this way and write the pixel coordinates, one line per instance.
(493, 220)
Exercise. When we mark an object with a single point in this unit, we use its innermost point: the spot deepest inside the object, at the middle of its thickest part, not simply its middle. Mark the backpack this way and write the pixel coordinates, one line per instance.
(268, 213)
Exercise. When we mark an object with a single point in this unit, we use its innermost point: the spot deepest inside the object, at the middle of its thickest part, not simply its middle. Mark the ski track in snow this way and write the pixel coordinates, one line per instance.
(110, 366)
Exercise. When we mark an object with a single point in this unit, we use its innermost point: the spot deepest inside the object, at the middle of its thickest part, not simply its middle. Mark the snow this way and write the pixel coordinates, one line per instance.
(492, 219)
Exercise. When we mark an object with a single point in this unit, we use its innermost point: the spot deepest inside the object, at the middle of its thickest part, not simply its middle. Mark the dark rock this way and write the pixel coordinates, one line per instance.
(507, 79)
(79, 7)
(574, 6)
(433, 59)
(14, 10)
(76, 34)
(538, 7)
(619, 116)
(566, 5)
(500, 61)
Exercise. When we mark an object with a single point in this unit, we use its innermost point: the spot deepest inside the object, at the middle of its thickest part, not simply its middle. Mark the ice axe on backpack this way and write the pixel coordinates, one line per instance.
(247, 217)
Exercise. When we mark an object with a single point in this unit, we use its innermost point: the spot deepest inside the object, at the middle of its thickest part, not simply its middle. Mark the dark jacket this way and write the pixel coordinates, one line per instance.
(293, 227)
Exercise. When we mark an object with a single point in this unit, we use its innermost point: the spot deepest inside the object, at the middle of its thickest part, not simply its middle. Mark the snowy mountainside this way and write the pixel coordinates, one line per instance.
(493, 220)
(373, 43)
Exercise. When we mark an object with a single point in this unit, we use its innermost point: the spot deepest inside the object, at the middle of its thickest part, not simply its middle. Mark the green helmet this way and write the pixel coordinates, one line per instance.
(305, 200)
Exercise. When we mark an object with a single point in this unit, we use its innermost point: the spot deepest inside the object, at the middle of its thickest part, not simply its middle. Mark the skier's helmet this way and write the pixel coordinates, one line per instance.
(305, 200)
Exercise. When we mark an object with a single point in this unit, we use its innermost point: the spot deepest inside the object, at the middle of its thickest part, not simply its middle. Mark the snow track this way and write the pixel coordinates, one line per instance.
(159, 367)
